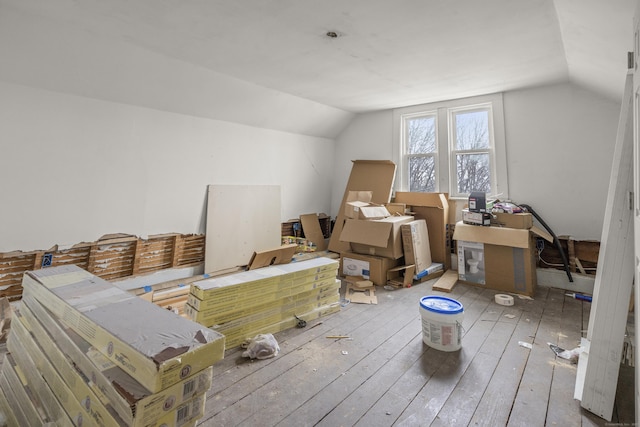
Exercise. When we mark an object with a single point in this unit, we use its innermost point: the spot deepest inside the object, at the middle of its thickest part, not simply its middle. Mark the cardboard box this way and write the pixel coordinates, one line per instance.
(134, 403)
(375, 176)
(381, 237)
(396, 208)
(53, 407)
(523, 221)
(402, 276)
(370, 267)
(498, 258)
(359, 196)
(434, 209)
(267, 279)
(365, 210)
(417, 249)
(155, 346)
(313, 292)
(20, 397)
(476, 218)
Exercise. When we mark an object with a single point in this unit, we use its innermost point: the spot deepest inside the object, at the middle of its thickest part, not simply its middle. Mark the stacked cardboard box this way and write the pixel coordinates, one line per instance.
(374, 237)
(87, 352)
(499, 258)
(265, 300)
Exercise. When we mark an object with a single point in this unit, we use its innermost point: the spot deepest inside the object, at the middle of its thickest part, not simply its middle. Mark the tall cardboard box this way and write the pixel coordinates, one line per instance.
(382, 237)
(498, 258)
(417, 250)
(434, 209)
(375, 176)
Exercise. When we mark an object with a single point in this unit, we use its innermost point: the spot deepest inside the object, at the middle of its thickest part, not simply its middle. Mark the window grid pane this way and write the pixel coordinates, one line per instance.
(473, 173)
(472, 130)
(422, 174)
(421, 135)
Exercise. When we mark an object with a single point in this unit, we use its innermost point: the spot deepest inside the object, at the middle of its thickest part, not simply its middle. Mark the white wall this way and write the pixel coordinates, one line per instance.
(74, 168)
(560, 142)
(98, 136)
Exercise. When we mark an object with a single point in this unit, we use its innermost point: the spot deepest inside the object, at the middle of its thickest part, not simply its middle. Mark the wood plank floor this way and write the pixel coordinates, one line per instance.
(383, 374)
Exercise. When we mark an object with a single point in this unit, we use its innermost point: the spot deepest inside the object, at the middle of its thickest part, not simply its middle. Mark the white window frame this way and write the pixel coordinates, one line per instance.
(405, 136)
(445, 168)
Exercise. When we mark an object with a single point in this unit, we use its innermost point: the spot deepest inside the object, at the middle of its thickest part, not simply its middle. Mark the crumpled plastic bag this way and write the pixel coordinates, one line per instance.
(570, 355)
(262, 346)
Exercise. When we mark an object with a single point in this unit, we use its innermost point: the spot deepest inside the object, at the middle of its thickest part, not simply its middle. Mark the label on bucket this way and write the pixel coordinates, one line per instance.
(447, 335)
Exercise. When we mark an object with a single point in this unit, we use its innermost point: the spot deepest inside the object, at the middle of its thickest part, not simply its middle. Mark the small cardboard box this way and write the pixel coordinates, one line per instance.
(476, 218)
(370, 267)
(523, 221)
(362, 210)
(415, 241)
(498, 258)
(402, 276)
(378, 237)
(434, 209)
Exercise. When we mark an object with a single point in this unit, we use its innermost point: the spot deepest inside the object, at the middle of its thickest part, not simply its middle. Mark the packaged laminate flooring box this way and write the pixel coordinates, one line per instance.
(155, 346)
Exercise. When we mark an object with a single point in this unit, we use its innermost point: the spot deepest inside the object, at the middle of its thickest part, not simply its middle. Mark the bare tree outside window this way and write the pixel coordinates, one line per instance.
(421, 149)
(472, 157)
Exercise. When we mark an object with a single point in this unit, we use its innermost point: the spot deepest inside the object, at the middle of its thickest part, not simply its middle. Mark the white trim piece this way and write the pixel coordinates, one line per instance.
(614, 279)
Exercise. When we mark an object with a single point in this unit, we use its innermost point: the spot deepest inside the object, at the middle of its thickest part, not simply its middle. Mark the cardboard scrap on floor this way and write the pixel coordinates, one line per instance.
(361, 292)
(279, 255)
(446, 282)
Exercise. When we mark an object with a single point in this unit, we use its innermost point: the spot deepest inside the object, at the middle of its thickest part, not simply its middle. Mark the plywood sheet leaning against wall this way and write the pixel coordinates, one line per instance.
(241, 219)
(111, 257)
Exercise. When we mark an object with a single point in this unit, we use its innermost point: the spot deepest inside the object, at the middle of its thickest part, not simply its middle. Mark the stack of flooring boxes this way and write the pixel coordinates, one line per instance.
(84, 352)
(265, 300)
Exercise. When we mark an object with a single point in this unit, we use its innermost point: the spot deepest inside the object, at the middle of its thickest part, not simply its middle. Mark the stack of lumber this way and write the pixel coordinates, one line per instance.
(84, 352)
(266, 300)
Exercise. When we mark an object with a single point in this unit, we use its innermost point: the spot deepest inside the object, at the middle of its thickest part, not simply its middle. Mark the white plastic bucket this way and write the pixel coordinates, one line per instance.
(441, 322)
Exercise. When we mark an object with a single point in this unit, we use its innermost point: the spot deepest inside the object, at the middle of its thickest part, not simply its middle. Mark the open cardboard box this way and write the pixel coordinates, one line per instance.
(381, 237)
(434, 209)
(375, 176)
(498, 258)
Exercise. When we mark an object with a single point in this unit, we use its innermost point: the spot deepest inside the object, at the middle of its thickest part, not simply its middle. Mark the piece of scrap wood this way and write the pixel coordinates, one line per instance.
(364, 284)
(446, 282)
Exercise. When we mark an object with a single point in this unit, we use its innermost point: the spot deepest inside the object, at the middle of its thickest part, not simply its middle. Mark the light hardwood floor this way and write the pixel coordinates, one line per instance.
(384, 375)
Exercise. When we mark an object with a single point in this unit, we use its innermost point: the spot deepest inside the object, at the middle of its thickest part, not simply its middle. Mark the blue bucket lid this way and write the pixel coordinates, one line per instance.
(441, 305)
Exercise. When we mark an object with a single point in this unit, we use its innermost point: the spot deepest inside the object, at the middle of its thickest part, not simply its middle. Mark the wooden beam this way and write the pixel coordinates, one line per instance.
(135, 268)
(176, 249)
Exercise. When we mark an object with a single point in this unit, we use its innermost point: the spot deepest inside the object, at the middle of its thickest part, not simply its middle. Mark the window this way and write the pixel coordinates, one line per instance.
(422, 152)
(453, 147)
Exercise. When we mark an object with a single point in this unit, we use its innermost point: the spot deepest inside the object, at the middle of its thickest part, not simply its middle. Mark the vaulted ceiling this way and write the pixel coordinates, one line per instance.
(384, 54)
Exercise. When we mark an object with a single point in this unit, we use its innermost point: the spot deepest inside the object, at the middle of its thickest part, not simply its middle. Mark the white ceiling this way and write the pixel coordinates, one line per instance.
(387, 53)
